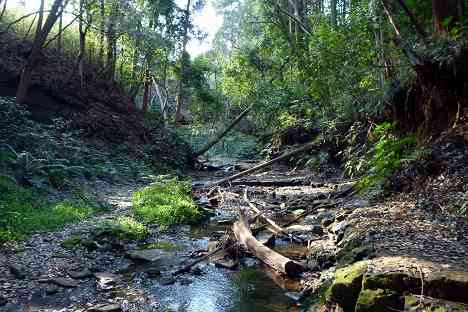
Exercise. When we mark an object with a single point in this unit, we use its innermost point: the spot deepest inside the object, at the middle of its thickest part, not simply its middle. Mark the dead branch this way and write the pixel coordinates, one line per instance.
(264, 164)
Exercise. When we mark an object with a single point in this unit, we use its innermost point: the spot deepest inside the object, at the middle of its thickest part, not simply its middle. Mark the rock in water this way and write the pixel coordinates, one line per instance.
(148, 255)
(80, 274)
(106, 280)
(114, 307)
(65, 282)
(17, 271)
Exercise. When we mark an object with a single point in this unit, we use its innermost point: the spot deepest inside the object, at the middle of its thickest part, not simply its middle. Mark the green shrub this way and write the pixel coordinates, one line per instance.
(124, 228)
(388, 154)
(166, 203)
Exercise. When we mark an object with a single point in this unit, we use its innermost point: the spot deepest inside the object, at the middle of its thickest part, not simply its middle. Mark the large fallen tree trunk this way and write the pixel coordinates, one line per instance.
(264, 164)
(268, 256)
(273, 183)
(218, 138)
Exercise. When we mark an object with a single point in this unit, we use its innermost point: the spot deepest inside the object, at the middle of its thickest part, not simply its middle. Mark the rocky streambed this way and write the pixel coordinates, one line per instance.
(359, 256)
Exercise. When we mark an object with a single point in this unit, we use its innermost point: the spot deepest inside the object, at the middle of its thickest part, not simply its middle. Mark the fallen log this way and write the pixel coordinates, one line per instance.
(218, 138)
(268, 256)
(272, 183)
(264, 164)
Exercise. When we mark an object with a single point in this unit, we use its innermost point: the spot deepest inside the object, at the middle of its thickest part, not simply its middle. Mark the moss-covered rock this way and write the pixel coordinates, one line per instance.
(397, 281)
(356, 254)
(382, 300)
(414, 304)
(347, 285)
(449, 285)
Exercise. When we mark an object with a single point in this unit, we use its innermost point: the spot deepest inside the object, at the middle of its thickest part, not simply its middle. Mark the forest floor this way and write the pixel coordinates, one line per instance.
(401, 234)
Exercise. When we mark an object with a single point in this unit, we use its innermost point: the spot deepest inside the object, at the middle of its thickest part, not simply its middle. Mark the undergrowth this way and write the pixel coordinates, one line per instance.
(387, 155)
(166, 203)
(124, 229)
(234, 145)
(24, 211)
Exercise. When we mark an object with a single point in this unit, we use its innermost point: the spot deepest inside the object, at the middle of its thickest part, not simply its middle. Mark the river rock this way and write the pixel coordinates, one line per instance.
(226, 263)
(153, 272)
(167, 280)
(146, 255)
(416, 304)
(3, 301)
(85, 273)
(17, 270)
(51, 290)
(65, 282)
(106, 280)
(381, 300)
(114, 307)
(347, 285)
(449, 285)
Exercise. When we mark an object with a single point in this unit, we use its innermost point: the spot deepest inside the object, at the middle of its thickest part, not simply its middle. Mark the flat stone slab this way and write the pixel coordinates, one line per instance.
(64, 282)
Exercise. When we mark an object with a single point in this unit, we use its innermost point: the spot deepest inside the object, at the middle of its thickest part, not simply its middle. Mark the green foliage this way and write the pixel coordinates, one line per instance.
(166, 203)
(234, 145)
(24, 211)
(52, 155)
(124, 229)
(388, 154)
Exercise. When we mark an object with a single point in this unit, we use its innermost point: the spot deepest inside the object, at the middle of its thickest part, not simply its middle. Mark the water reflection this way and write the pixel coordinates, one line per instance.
(219, 290)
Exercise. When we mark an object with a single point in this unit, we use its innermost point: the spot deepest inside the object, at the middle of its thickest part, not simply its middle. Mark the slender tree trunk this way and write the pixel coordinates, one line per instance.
(333, 13)
(181, 96)
(102, 11)
(59, 40)
(146, 91)
(3, 9)
(446, 13)
(41, 35)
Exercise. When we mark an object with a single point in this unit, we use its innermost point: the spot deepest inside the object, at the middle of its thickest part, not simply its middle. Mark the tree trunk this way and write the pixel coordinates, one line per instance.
(3, 9)
(59, 40)
(41, 35)
(146, 92)
(333, 13)
(181, 96)
(102, 10)
(446, 13)
(268, 256)
(210, 144)
(304, 148)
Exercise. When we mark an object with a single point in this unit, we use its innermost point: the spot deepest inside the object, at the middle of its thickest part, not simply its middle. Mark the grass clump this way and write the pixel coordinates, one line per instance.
(123, 229)
(166, 203)
(24, 211)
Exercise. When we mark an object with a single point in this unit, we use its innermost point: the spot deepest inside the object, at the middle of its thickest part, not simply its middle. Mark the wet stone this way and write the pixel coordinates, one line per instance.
(114, 307)
(80, 274)
(51, 290)
(3, 301)
(106, 280)
(65, 282)
(17, 271)
(148, 255)
(167, 280)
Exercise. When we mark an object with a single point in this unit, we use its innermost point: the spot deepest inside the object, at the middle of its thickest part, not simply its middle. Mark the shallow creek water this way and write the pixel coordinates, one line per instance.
(215, 289)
